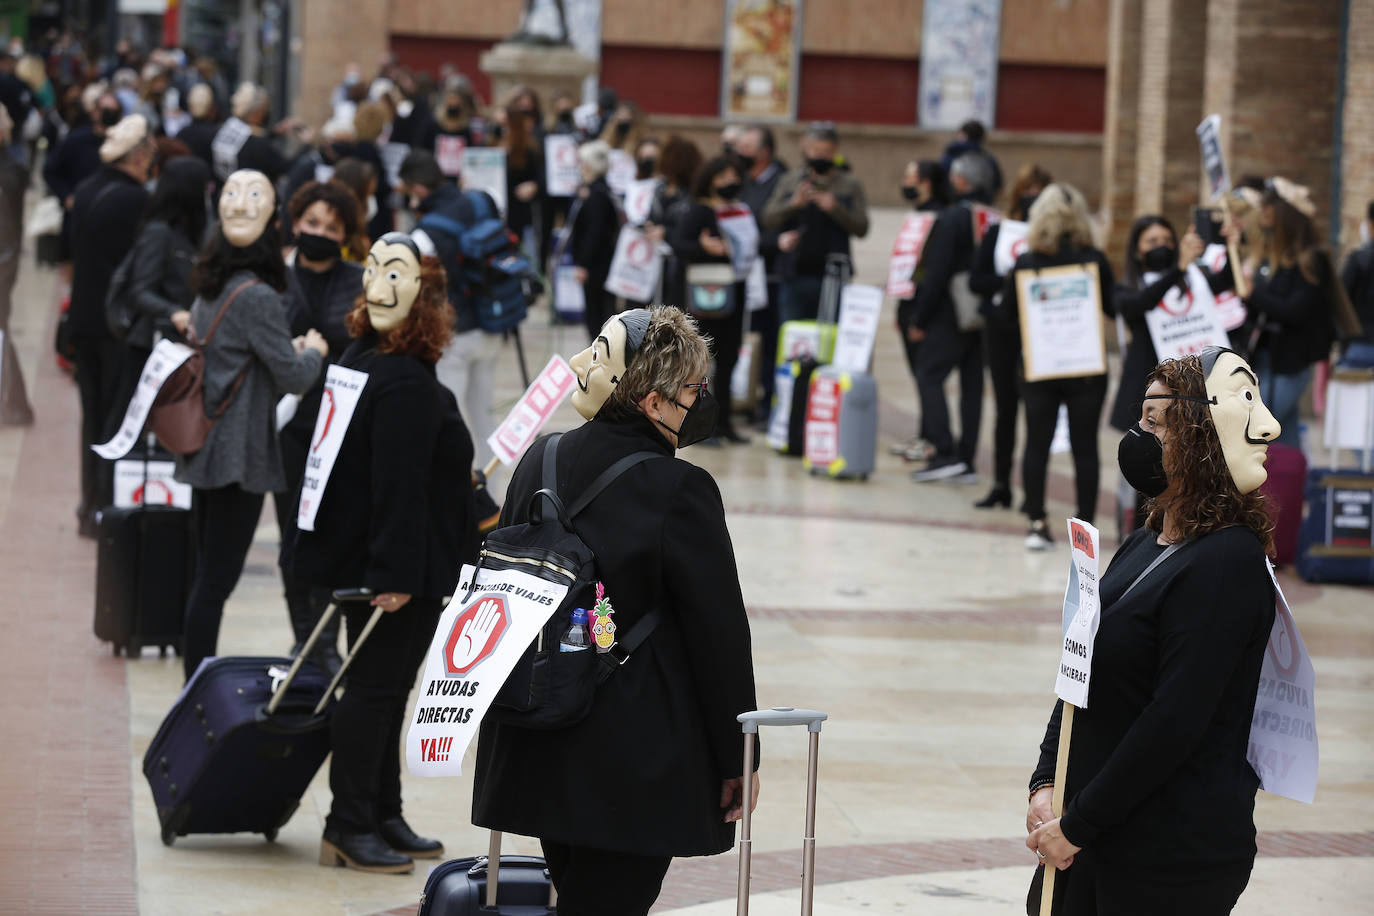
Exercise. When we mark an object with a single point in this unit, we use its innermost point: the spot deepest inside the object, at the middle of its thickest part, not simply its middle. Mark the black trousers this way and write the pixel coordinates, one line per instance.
(304, 602)
(944, 349)
(1093, 888)
(226, 520)
(365, 732)
(725, 334)
(1003, 355)
(100, 365)
(765, 322)
(1084, 397)
(912, 349)
(599, 304)
(598, 882)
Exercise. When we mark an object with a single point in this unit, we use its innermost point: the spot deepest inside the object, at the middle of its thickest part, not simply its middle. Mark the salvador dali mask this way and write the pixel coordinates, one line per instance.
(246, 205)
(600, 367)
(391, 280)
(1244, 425)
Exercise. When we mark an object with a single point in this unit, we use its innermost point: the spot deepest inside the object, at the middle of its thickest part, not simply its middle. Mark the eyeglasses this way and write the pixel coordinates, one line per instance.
(701, 386)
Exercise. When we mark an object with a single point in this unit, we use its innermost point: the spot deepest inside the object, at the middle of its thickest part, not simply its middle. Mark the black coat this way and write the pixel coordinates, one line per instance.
(198, 135)
(594, 232)
(104, 223)
(1358, 278)
(1295, 313)
(72, 161)
(642, 773)
(320, 301)
(949, 250)
(160, 281)
(397, 514)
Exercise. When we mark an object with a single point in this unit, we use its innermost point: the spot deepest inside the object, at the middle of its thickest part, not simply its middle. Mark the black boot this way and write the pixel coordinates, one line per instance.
(398, 835)
(1000, 496)
(363, 851)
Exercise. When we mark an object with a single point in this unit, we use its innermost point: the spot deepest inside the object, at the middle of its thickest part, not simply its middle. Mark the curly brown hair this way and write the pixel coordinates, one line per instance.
(428, 327)
(1201, 497)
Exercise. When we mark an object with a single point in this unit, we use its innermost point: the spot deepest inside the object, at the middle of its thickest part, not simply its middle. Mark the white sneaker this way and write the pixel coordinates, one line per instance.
(1038, 537)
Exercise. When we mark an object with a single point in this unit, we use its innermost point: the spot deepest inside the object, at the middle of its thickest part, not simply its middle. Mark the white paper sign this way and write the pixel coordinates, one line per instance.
(1349, 414)
(530, 413)
(906, 254)
(1082, 613)
(737, 223)
(639, 200)
(1230, 306)
(1061, 322)
(756, 287)
(636, 266)
(1011, 244)
(860, 307)
(151, 483)
(1185, 322)
(569, 298)
(783, 386)
(484, 169)
(449, 152)
(163, 361)
(1213, 162)
(477, 643)
(1283, 733)
(393, 155)
(342, 389)
(622, 172)
(561, 173)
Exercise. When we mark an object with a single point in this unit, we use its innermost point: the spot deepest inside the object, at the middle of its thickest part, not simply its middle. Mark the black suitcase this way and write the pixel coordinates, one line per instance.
(802, 370)
(459, 887)
(145, 563)
(243, 741)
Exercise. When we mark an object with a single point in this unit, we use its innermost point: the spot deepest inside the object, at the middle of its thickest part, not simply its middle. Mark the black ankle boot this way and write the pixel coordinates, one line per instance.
(363, 851)
(398, 835)
(1000, 496)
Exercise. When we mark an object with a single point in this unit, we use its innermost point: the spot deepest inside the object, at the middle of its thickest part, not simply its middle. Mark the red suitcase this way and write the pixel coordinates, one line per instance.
(1287, 468)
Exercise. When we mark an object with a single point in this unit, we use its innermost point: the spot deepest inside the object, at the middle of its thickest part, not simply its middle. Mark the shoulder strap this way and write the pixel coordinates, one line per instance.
(550, 481)
(1168, 552)
(214, 325)
(445, 223)
(607, 477)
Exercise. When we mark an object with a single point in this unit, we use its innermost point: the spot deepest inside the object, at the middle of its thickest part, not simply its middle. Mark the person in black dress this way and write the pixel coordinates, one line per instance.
(1159, 805)
(395, 516)
(595, 228)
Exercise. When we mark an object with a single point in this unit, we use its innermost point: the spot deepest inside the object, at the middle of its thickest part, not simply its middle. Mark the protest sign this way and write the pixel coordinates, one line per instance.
(342, 389)
(149, 483)
(1186, 321)
(484, 169)
(857, 327)
(1213, 163)
(821, 434)
(737, 223)
(635, 267)
(393, 156)
(554, 383)
(449, 153)
(1061, 322)
(622, 172)
(1283, 733)
(639, 200)
(1082, 613)
(479, 639)
(1349, 421)
(1011, 244)
(906, 254)
(984, 218)
(163, 361)
(561, 173)
(1229, 305)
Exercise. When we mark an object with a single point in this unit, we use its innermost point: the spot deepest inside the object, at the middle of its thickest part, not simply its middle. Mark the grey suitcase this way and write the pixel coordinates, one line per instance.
(841, 437)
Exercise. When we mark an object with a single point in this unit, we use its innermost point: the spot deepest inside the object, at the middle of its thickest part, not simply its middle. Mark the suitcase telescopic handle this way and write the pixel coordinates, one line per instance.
(749, 723)
(340, 596)
(493, 867)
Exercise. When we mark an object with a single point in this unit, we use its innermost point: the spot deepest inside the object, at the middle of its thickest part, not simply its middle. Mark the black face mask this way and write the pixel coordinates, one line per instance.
(645, 168)
(1159, 259)
(820, 166)
(1141, 457)
(565, 117)
(1024, 203)
(454, 111)
(748, 162)
(729, 191)
(622, 129)
(316, 247)
(110, 116)
(910, 193)
(699, 423)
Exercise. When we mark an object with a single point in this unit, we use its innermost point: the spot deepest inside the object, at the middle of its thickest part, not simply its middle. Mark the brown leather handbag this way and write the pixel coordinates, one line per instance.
(178, 417)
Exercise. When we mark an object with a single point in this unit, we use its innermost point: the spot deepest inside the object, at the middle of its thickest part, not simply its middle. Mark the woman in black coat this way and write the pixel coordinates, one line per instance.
(1158, 810)
(655, 770)
(595, 228)
(394, 516)
(321, 289)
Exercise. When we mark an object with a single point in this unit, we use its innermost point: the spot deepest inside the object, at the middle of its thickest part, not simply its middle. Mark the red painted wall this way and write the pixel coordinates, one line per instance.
(676, 81)
(865, 90)
(1031, 97)
(420, 53)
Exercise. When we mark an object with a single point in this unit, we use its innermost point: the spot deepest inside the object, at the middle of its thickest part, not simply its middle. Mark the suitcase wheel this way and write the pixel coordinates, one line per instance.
(169, 835)
(114, 649)
(271, 835)
(134, 649)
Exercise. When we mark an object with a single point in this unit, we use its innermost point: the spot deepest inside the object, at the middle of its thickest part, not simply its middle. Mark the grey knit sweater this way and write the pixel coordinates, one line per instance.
(242, 446)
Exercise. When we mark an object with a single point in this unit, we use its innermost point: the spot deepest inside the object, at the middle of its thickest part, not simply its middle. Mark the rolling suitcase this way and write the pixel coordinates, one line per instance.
(802, 346)
(240, 745)
(787, 424)
(1336, 543)
(516, 886)
(841, 432)
(1283, 489)
(750, 722)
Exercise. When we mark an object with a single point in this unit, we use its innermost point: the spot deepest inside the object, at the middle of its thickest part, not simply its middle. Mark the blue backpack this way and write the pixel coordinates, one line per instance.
(492, 272)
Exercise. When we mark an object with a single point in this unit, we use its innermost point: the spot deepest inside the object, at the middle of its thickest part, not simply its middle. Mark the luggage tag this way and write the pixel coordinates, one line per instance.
(603, 628)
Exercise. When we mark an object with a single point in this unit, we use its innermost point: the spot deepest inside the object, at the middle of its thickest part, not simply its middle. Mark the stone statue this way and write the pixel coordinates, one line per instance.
(526, 36)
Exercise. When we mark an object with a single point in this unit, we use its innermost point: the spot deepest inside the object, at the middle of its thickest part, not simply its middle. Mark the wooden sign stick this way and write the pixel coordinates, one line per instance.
(1061, 775)
(1233, 255)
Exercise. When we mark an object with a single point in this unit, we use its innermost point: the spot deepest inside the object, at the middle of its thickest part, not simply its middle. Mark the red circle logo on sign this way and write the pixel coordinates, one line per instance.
(476, 633)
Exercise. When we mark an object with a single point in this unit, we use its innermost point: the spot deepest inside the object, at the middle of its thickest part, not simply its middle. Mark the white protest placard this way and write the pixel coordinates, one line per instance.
(860, 307)
(163, 361)
(449, 152)
(984, 218)
(1349, 421)
(1229, 305)
(484, 169)
(1213, 163)
(1082, 613)
(622, 172)
(561, 173)
(906, 254)
(756, 287)
(778, 418)
(569, 298)
(1283, 732)
(393, 155)
(530, 413)
(635, 267)
(342, 389)
(1186, 321)
(639, 200)
(149, 483)
(1011, 244)
(476, 644)
(737, 223)
(1061, 322)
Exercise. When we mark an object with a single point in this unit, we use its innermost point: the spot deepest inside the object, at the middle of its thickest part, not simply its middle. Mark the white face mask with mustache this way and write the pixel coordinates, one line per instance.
(1244, 425)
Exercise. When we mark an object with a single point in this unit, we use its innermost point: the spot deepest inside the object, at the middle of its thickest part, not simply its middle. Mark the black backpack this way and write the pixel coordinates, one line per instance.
(548, 689)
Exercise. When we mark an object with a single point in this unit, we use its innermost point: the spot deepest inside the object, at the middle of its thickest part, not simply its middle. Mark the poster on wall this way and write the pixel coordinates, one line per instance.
(761, 60)
(959, 41)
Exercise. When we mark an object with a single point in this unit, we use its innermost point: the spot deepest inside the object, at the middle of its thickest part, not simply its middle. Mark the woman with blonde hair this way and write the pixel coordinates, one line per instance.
(1060, 235)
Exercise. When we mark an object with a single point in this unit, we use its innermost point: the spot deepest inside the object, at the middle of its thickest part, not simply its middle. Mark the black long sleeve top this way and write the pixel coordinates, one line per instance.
(1296, 316)
(1157, 772)
(594, 231)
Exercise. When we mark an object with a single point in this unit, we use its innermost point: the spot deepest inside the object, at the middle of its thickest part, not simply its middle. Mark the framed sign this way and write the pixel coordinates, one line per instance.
(1061, 322)
(761, 62)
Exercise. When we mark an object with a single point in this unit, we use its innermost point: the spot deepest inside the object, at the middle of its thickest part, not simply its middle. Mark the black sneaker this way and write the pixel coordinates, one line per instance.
(942, 469)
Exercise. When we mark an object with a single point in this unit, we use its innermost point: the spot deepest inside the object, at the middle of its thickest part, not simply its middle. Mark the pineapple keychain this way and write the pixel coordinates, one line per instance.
(603, 627)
